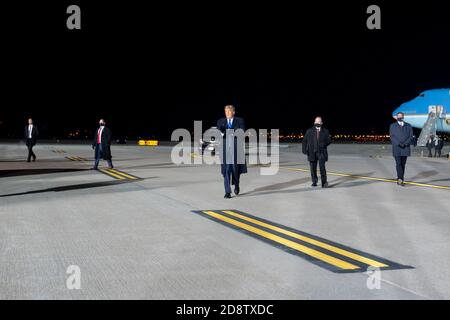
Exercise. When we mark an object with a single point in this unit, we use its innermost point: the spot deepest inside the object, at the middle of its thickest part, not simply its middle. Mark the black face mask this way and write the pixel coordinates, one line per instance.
(318, 125)
(400, 119)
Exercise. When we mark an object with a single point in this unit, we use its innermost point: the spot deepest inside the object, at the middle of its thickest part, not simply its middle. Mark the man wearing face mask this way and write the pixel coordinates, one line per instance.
(102, 145)
(314, 145)
(401, 137)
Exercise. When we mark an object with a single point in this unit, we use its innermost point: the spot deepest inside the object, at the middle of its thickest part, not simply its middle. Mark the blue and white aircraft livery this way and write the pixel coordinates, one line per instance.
(418, 110)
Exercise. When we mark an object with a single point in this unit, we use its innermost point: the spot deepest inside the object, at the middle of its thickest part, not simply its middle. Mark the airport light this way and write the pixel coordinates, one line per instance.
(152, 143)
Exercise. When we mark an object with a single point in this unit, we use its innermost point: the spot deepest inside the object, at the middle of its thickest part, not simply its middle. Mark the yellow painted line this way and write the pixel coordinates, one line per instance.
(320, 244)
(122, 174)
(291, 244)
(72, 158)
(418, 184)
(112, 174)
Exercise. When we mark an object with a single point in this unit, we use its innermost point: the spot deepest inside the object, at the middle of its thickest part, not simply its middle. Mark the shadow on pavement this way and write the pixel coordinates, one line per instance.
(71, 187)
(29, 172)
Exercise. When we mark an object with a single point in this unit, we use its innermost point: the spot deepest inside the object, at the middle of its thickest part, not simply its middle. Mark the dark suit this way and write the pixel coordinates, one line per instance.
(230, 168)
(316, 150)
(430, 146)
(401, 138)
(102, 149)
(438, 148)
(31, 141)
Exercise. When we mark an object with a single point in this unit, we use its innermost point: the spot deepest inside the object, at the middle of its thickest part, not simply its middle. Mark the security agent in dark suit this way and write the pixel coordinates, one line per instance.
(401, 137)
(430, 145)
(439, 145)
(102, 145)
(314, 145)
(231, 167)
(31, 133)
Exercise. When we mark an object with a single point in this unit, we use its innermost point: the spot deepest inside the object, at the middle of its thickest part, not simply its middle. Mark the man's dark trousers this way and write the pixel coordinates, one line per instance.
(30, 146)
(230, 176)
(400, 165)
(99, 155)
(319, 158)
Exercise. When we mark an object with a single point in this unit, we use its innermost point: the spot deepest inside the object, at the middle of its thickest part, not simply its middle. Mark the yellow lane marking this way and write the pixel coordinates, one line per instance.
(122, 174)
(337, 250)
(291, 244)
(373, 179)
(112, 174)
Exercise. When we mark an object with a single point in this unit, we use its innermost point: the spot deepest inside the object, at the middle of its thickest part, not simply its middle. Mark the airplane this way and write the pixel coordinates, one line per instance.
(430, 111)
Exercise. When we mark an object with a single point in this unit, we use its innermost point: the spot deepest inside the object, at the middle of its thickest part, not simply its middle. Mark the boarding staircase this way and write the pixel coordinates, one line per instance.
(429, 129)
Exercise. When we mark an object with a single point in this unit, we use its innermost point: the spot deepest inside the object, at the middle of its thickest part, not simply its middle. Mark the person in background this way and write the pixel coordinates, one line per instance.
(314, 145)
(430, 146)
(102, 145)
(31, 133)
(401, 134)
(438, 145)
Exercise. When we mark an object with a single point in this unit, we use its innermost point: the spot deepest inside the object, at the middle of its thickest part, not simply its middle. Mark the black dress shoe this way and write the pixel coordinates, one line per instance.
(227, 196)
(325, 185)
(236, 190)
(314, 184)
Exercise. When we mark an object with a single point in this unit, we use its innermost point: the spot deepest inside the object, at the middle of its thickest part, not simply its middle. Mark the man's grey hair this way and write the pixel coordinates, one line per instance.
(230, 106)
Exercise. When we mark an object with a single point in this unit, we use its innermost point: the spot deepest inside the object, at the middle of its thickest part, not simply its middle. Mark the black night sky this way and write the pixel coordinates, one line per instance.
(150, 69)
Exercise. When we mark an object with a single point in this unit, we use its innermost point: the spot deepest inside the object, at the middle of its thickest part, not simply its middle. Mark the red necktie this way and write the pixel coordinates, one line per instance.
(99, 139)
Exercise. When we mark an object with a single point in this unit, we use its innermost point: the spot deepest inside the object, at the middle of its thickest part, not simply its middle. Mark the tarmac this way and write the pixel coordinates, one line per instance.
(151, 229)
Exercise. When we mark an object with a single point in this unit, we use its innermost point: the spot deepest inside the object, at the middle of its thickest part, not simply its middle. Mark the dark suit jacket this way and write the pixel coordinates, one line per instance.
(440, 144)
(222, 125)
(34, 135)
(106, 143)
(311, 145)
(401, 138)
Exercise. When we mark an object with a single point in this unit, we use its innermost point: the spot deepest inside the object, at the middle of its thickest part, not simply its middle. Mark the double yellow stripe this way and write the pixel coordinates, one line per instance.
(118, 174)
(123, 174)
(75, 158)
(112, 174)
(317, 243)
(291, 244)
